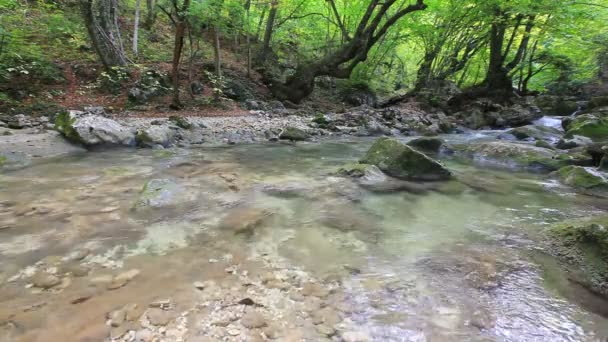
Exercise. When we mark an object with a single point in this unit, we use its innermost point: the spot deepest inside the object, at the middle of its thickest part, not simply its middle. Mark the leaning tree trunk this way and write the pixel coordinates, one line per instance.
(340, 63)
(101, 18)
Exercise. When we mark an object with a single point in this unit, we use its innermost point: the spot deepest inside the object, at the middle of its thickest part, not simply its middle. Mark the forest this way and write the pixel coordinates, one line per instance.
(303, 170)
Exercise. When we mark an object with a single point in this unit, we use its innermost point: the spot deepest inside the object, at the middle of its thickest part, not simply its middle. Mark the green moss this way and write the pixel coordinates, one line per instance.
(401, 161)
(589, 126)
(353, 170)
(294, 134)
(543, 144)
(64, 124)
(180, 122)
(320, 119)
(583, 243)
(580, 177)
(163, 153)
(3, 160)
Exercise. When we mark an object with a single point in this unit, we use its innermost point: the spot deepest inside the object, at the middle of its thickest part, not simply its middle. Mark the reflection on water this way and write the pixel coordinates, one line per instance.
(313, 255)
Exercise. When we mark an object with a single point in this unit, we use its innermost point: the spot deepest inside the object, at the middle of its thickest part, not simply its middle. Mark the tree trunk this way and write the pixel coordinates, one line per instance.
(216, 51)
(100, 19)
(497, 78)
(136, 28)
(150, 14)
(181, 25)
(248, 33)
(340, 63)
(274, 4)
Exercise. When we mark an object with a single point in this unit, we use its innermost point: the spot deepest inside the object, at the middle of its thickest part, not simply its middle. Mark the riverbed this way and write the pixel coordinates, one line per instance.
(265, 241)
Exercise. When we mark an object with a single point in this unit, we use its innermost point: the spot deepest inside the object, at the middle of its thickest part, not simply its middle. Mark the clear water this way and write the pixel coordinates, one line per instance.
(459, 263)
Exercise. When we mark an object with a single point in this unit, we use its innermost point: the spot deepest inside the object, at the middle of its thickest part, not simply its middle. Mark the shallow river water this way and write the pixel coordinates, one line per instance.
(255, 242)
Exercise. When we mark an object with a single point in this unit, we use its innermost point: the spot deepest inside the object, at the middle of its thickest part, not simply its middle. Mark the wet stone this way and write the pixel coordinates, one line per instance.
(315, 290)
(123, 279)
(117, 317)
(120, 331)
(133, 312)
(253, 320)
(355, 336)
(45, 280)
(325, 330)
(159, 317)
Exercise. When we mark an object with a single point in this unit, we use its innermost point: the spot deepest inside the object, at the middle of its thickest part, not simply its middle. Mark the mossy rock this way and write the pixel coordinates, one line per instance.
(427, 144)
(401, 161)
(585, 178)
(320, 119)
(356, 170)
(535, 132)
(598, 101)
(64, 123)
(589, 125)
(514, 155)
(180, 122)
(543, 144)
(294, 134)
(583, 243)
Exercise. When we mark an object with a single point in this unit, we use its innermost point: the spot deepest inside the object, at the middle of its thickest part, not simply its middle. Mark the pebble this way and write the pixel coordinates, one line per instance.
(233, 332)
(117, 317)
(355, 336)
(159, 317)
(315, 290)
(199, 285)
(133, 312)
(118, 332)
(326, 315)
(325, 330)
(45, 280)
(253, 320)
(123, 279)
(144, 335)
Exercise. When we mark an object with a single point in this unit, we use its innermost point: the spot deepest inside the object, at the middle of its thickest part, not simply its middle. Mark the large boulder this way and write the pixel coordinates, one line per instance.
(516, 115)
(93, 130)
(151, 84)
(156, 135)
(534, 133)
(427, 144)
(583, 245)
(556, 105)
(294, 134)
(359, 97)
(511, 154)
(401, 161)
(587, 179)
(592, 125)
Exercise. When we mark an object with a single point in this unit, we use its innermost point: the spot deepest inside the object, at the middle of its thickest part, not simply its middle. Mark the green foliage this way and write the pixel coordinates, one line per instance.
(113, 80)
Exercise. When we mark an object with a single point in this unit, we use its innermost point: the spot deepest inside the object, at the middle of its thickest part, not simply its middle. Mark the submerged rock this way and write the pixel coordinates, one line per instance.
(158, 193)
(244, 220)
(516, 155)
(401, 161)
(93, 130)
(427, 144)
(583, 245)
(294, 134)
(587, 179)
(591, 125)
(534, 132)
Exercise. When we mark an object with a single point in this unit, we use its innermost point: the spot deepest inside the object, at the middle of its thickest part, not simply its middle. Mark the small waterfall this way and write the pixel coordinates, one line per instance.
(550, 121)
